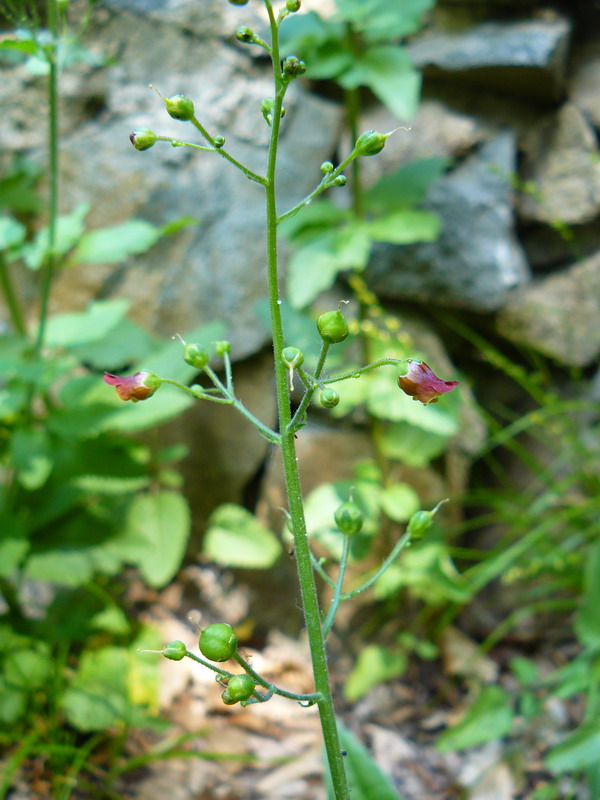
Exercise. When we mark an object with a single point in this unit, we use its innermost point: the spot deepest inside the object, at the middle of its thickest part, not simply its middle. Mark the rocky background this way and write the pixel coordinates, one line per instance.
(511, 97)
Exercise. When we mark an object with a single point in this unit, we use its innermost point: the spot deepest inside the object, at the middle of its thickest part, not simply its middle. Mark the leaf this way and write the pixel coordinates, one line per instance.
(13, 542)
(125, 343)
(28, 668)
(177, 225)
(235, 538)
(587, 623)
(68, 567)
(405, 227)
(132, 417)
(69, 229)
(382, 20)
(159, 524)
(313, 218)
(375, 665)
(388, 72)
(405, 187)
(414, 446)
(399, 501)
(84, 327)
(28, 47)
(13, 703)
(113, 244)
(31, 456)
(366, 780)
(98, 697)
(578, 751)
(489, 717)
(12, 233)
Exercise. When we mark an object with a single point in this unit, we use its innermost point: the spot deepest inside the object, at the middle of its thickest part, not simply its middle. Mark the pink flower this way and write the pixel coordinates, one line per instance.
(421, 383)
(138, 386)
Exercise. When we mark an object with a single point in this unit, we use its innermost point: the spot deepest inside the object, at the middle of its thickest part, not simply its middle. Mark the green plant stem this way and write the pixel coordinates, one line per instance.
(318, 568)
(308, 590)
(14, 308)
(312, 698)
(337, 592)
(352, 103)
(326, 183)
(400, 545)
(222, 152)
(356, 373)
(296, 422)
(53, 165)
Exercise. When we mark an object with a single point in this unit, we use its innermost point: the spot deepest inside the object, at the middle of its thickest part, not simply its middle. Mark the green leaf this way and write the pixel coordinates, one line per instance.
(13, 703)
(159, 527)
(31, 456)
(399, 501)
(388, 72)
(12, 233)
(111, 619)
(314, 218)
(69, 229)
(178, 224)
(411, 445)
(125, 343)
(116, 243)
(13, 542)
(386, 401)
(382, 20)
(578, 751)
(406, 187)
(28, 668)
(375, 665)
(84, 327)
(133, 417)
(68, 567)
(405, 227)
(489, 717)
(587, 623)
(235, 538)
(28, 47)
(366, 780)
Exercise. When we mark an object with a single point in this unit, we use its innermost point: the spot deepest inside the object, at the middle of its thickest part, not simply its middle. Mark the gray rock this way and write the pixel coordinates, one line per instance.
(525, 58)
(476, 260)
(558, 315)
(215, 270)
(584, 83)
(562, 162)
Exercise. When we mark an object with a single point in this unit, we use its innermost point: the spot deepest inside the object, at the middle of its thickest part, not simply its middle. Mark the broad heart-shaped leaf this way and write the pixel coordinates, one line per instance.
(406, 186)
(389, 74)
(114, 244)
(12, 232)
(314, 267)
(578, 751)
(84, 327)
(367, 781)
(375, 665)
(159, 524)
(405, 227)
(235, 538)
(382, 20)
(412, 445)
(490, 717)
(587, 624)
(69, 229)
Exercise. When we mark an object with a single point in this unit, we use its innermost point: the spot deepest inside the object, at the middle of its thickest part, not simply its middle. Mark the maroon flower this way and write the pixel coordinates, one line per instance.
(421, 383)
(138, 386)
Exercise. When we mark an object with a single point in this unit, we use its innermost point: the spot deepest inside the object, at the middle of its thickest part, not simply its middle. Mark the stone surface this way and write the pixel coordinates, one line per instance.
(562, 161)
(558, 315)
(584, 83)
(517, 58)
(477, 259)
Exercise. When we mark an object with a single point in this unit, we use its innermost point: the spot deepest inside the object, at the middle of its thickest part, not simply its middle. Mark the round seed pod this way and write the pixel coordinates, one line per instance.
(218, 642)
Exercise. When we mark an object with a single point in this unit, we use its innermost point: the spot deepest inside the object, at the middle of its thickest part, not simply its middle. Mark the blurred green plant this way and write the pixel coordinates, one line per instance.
(81, 498)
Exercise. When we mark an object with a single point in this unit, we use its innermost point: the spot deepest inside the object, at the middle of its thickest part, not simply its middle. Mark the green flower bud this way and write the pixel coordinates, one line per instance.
(222, 347)
(218, 642)
(238, 2)
(349, 518)
(240, 687)
(326, 167)
(266, 109)
(292, 357)
(244, 34)
(370, 143)
(143, 139)
(293, 66)
(180, 107)
(195, 356)
(174, 651)
(228, 699)
(329, 398)
(218, 141)
(419, 524)
(340, 180)
(332, 327)
(293, 5)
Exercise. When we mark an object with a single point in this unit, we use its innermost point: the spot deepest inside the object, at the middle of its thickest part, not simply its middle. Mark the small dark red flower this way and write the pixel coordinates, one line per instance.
(421, 383)
(138, 386)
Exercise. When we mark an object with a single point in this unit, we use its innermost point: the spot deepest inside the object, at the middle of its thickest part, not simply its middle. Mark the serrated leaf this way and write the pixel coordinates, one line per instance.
(83, 327)
(375, 665)
(235, 538)
(366, 780)
(113, 244)
(389, 73)
(405, 227)
(159, 525)
(490, 717)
